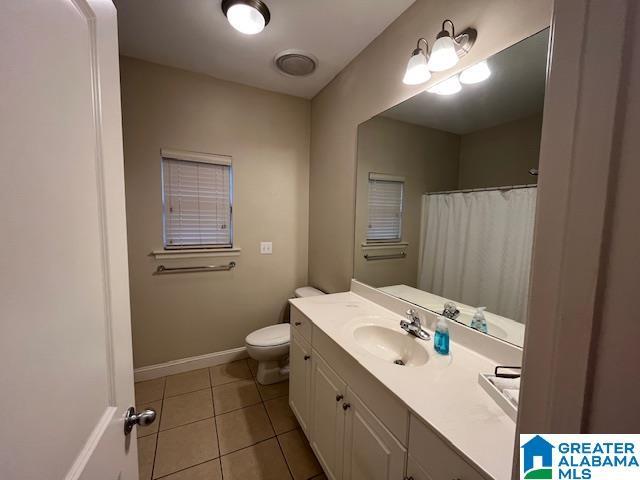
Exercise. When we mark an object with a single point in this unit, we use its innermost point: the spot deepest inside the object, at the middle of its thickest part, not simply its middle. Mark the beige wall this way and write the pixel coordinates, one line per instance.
(371, 84)
(501, 155)
(178, 316)
(428, 159)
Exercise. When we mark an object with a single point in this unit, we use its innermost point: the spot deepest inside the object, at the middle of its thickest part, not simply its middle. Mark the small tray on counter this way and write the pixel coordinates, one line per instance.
(507, 405)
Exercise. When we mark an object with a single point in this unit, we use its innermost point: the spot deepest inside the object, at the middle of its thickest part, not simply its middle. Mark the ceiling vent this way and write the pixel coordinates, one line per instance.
(295, 63)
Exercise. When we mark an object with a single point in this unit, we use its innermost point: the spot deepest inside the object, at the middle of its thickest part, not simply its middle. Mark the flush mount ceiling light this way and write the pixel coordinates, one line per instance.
(449, 47)
(417, 71)
(476, 73)
(246, 16)
(447, 87)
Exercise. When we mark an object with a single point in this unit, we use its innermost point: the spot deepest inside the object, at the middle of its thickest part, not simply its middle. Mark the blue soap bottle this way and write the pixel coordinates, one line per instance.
(441, 339)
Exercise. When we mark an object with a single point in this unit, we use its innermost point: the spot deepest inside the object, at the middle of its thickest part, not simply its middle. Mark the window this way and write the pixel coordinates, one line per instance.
(385, 208)
(197, 200)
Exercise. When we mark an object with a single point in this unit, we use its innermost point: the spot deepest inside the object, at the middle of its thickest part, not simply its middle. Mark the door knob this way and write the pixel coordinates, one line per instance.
(346, 406)
(339, 397)
(143, 419)
(297, 324)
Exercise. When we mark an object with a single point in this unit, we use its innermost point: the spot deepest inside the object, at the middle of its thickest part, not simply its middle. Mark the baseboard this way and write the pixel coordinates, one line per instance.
(192, 363)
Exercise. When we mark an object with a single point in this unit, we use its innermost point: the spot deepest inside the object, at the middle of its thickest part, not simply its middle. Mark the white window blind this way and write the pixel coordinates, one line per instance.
(197, 202)
(385, 208)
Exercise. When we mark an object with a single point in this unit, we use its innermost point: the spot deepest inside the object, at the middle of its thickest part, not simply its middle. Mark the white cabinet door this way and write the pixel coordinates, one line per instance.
(300, 380)
(65, 334)
(327, 417)
(371, 452)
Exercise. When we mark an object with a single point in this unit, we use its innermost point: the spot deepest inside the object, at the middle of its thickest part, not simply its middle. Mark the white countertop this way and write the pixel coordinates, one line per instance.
(444, 392)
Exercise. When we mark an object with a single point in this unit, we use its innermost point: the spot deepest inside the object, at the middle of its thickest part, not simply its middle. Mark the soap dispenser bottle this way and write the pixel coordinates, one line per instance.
(441, 339)
(479, 322)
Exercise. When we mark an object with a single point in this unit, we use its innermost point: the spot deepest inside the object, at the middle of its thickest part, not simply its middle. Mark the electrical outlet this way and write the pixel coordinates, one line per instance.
(266, 248)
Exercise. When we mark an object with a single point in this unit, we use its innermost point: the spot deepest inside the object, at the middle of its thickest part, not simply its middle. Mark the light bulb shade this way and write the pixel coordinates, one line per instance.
(443, 54)
(417, 71)
(246, 16)
(449, 86)
(476, 73)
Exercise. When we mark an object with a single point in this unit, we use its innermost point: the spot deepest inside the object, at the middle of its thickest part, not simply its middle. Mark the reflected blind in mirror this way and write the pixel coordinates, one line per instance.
(385, 208)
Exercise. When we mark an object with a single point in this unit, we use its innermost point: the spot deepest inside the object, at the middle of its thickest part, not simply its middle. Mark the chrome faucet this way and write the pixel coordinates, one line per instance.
(414, 327)
(450, 311)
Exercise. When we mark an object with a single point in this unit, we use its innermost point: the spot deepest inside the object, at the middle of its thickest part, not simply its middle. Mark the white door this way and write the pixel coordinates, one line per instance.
(371, 452)
(300, 380)
(65, 340)
(327, 417)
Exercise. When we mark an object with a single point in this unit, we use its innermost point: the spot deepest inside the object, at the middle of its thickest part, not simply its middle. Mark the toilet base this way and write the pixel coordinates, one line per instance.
(273, 371)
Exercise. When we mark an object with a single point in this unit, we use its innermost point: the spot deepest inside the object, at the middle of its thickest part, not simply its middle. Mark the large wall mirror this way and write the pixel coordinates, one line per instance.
(446, 193)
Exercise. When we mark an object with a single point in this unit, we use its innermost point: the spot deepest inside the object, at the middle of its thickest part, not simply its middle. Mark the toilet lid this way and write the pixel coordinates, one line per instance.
(269, 336)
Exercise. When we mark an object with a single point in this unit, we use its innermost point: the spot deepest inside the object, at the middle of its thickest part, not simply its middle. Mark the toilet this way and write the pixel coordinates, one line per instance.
(270, 346)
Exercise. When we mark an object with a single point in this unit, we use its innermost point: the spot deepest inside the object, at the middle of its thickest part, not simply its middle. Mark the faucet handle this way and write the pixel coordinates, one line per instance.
(411, 313)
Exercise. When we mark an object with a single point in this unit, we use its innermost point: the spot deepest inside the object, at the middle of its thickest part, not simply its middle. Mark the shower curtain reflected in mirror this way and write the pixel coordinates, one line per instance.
(476, 246)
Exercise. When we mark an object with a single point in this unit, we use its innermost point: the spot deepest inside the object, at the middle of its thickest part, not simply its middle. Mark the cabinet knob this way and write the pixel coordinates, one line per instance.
(307, 357)
(339, 397)
(346, 406)
(297, 324)
(408, 478)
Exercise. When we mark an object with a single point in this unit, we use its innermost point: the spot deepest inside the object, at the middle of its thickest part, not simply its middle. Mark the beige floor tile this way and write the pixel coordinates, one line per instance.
(281, 416)
(300, 458)
(205, 471)
(243, 428)
(230, 372)
(187, 382)
(149, 390)
(187, 408)
(146, 452)
(185, 446)
(263, 461)
(153, 428)
(253, 366)
(275, 390)
(235, 395)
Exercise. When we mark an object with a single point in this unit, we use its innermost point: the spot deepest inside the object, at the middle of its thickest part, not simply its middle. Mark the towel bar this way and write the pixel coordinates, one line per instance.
(162, 270)
(385, 257)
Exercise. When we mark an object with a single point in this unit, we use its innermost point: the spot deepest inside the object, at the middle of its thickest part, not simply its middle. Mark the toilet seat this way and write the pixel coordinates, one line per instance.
(271, 336)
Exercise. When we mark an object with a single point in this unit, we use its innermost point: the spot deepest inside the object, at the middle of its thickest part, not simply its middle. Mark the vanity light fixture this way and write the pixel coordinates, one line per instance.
(246, 16)
(447, 87)
(417, 71)
(476, 73)
(449, 47)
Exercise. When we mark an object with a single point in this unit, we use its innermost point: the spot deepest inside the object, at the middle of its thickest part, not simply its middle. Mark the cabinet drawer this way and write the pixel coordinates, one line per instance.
(436, 459)
(300, 324)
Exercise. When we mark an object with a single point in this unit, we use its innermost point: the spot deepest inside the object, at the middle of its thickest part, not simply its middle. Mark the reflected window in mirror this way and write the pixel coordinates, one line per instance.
(464, 215)
(385, 208)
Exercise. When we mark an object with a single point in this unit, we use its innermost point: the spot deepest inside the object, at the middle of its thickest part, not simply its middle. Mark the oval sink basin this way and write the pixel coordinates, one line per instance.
(390, 345)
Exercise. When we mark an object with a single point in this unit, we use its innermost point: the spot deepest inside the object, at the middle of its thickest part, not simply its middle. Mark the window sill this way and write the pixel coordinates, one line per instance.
(383, 245)
(196, 253)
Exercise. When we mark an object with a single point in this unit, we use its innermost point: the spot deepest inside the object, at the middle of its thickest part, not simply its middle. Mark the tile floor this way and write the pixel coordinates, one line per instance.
(219, 423)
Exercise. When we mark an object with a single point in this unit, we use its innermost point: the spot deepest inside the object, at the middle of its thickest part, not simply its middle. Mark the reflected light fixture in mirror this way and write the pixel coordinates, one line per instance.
(417, 71)
(246, 16)
(449, 86)
(476, 73)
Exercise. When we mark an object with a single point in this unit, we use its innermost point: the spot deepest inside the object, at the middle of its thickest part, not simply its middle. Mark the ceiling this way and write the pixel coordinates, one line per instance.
(515, 90)
(195, 35)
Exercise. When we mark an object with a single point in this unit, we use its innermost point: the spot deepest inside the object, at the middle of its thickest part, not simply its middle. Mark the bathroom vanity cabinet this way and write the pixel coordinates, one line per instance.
(357, 428)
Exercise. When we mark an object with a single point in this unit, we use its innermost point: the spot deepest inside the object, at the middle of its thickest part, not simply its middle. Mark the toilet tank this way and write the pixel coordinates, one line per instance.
(307, 292)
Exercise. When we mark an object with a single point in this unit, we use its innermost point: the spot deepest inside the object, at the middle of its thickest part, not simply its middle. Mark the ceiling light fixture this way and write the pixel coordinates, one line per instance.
(417, 71)
(449, 47)
(246, 16)
(449, 86)
(476, 73)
